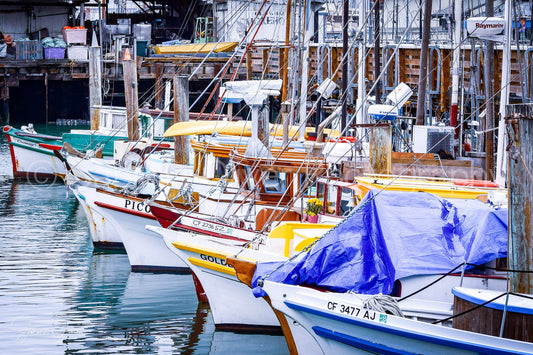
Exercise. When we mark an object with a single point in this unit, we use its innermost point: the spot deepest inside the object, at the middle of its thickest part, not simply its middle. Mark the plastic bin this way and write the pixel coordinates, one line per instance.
(141, 48)
(28, 50)
(75, 36)
(77, 52)
(54, 53)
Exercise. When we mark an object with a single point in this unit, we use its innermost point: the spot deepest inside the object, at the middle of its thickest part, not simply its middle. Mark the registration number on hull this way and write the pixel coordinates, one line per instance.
(356, 312)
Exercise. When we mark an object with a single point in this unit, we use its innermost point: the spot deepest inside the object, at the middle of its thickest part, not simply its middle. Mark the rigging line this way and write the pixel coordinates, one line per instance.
(213, 49)
(470, 310)
(500, 269)
(189, 12)
(301, 124)
(375, 82)
(220, 75)
(432, 283)
(189, 60)
(236, 70)
(426, 77)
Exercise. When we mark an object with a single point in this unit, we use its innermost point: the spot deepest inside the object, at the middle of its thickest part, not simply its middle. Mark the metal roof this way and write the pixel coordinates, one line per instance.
(43, 2)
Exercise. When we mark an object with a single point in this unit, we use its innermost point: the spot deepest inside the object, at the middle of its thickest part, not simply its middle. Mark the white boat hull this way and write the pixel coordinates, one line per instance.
(232, 303)
(126, 219)
(30, 161)
(104, 233)
(340, 324)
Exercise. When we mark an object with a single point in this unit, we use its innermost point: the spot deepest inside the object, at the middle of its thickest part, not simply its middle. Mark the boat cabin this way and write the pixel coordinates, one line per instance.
(338, 197)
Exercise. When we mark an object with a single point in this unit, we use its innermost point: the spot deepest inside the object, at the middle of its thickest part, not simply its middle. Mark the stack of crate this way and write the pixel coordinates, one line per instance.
(76, 39)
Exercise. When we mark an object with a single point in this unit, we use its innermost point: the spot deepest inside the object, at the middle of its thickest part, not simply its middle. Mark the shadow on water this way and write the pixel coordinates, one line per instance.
(115, 309)
(58, 295)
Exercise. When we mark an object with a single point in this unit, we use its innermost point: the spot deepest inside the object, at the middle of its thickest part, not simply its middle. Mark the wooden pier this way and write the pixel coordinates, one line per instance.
(263, 62)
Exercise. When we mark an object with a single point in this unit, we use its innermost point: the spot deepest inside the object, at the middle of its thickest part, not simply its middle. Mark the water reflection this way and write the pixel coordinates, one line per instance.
(58, 295)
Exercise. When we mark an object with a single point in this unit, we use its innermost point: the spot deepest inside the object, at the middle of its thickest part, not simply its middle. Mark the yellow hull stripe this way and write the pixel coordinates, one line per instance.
(198, 250)
(212, 266)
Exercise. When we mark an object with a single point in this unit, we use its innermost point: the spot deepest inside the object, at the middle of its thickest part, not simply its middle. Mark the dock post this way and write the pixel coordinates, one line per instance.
(4, 103)
(132, 96)
(381, 148)
(95, 86)
(519, 121)
(181, 114)
(159, 87)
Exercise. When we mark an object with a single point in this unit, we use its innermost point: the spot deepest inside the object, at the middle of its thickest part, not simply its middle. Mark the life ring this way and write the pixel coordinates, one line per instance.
(475, 183)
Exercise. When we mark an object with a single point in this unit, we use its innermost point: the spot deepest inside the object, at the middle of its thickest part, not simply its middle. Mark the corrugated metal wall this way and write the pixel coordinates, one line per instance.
(19, 22)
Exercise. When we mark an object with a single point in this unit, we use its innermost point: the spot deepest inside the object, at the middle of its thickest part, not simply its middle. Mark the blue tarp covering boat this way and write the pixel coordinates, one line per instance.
(392, 235)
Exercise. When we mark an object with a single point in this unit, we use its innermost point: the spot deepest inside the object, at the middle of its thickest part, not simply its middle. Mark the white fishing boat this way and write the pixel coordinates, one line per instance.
(342, 324)
(32, 153)
(394, 244)
(232, 303)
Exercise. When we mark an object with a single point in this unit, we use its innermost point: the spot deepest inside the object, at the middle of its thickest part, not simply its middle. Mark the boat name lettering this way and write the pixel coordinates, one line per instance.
(208, 226)
(355, 311)
(137, 206)
(212, 259)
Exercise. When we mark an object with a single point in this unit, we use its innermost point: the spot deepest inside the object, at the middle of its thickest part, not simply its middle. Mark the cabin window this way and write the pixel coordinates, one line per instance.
(310, 188)
(321, 193)
(199, 160)
(118, 121)
(347, 202)
(331, 202)
(220, 166)
(275, 182)
(249, 179)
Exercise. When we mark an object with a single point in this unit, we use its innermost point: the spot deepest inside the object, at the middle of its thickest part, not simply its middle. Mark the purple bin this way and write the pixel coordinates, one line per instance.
(54, 53)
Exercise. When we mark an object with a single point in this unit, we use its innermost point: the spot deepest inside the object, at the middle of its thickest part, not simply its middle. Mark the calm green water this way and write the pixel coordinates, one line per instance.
(58, 296)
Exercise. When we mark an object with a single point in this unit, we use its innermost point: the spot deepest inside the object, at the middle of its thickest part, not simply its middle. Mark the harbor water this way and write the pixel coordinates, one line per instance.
(58, 295)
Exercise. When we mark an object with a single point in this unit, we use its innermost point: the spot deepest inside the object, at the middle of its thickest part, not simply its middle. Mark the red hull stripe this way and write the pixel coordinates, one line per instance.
(50, 146)
(124, 210)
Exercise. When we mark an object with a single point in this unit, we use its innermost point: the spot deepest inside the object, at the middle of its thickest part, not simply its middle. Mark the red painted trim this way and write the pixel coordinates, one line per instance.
(124, 210)
(34, 176)
(478, 276)
(200, 293)
(475, 183)
(203, 231)
(50, 146)
(13, 160)
(166, 218)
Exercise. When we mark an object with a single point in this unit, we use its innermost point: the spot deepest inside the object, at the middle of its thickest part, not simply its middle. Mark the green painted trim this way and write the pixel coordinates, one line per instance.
(38, 150)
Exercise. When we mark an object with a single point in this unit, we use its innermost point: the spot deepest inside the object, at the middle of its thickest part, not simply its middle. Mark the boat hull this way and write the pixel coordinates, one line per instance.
(147, 251)
(232, 303)
(33, 158)
(340, 324)
(103, 232)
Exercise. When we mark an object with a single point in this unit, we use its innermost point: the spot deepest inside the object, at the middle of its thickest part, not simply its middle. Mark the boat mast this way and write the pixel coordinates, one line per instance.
(345, 20)
(284, 74)
(489, 100)
(95, 83)
(285, 56)
(458, 14)
(501, 169)
(308, 28)
(361, 89)
(422, 79)
(377, 51)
